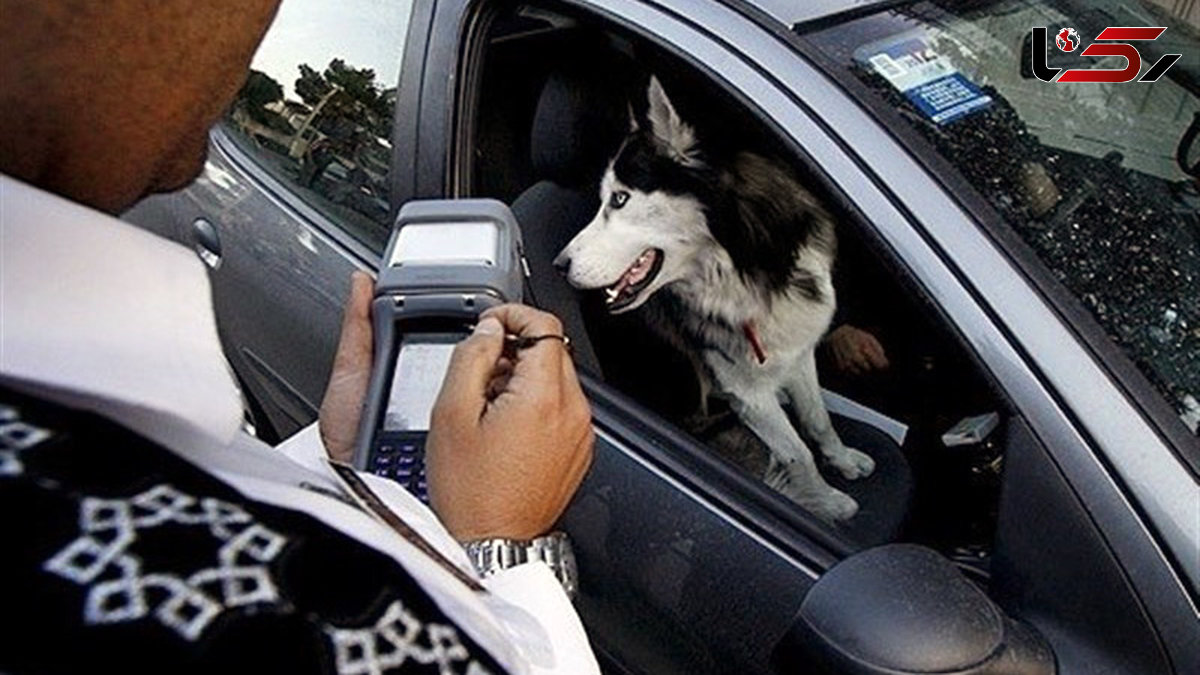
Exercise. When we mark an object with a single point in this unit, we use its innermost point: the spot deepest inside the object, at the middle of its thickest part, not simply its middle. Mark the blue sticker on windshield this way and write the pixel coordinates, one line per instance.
(925, 77)
(948, 98)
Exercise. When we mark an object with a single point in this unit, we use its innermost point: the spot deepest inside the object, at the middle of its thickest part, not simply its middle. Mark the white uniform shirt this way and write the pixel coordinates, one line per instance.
(99, 315)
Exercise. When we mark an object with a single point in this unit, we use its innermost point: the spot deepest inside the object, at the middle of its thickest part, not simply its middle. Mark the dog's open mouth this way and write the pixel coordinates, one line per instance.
(621, 294)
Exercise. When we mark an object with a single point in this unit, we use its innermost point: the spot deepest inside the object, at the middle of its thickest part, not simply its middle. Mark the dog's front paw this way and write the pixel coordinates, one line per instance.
(828, 504)
(831, 505)
(852, 463)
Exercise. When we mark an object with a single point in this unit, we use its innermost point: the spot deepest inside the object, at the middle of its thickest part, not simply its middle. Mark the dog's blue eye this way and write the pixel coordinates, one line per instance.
(618, 199)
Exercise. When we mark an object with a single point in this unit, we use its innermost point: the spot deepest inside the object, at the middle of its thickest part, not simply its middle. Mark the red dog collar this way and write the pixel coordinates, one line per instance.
(756, 345)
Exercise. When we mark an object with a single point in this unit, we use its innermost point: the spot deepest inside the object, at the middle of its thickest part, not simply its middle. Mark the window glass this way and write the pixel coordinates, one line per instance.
(1090, 175)
(317, 108)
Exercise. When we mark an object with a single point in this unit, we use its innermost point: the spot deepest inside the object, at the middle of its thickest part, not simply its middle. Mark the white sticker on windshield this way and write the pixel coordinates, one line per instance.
(925, 77)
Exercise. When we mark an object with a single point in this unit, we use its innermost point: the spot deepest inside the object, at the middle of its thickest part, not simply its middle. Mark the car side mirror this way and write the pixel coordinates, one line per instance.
(903, 608)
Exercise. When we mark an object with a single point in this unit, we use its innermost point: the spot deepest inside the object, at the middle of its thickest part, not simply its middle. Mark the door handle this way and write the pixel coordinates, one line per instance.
(207, 242)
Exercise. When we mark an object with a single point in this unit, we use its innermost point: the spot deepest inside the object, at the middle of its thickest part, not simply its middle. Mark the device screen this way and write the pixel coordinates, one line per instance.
(447, 243)
(420, 368)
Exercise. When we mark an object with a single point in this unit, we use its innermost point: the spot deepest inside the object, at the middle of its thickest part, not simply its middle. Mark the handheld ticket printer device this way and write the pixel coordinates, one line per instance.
(448, 260)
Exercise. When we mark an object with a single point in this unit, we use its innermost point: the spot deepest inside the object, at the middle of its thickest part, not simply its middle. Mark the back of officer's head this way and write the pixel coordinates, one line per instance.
(105, 101)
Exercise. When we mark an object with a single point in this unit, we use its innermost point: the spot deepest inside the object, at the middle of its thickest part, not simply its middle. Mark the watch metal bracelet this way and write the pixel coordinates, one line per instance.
(489, 556)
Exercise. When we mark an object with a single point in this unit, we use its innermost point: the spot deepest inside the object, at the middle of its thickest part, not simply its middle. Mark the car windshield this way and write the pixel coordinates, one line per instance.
(1097, 178)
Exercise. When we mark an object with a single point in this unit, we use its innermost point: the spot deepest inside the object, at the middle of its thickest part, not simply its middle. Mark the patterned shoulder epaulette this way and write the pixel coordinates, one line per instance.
(119, 554)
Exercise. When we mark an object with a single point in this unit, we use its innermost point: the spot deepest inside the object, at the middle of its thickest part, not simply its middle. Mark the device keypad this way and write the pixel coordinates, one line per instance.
(401, 457)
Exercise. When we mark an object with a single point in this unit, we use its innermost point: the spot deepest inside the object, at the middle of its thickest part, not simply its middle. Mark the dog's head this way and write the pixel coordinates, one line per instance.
(651, 223)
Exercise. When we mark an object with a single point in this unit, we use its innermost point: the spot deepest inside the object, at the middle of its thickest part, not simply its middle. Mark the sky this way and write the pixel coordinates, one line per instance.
(364, 33)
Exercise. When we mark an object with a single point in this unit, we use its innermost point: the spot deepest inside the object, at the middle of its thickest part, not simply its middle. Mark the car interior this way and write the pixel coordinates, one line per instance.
(550, 104)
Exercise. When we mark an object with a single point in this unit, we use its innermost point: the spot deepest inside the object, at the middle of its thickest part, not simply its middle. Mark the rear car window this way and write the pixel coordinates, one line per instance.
(1091, 175)
(316, 111)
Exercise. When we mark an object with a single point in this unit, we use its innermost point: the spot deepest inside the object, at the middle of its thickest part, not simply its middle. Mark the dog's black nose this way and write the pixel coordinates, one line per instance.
(562, 263)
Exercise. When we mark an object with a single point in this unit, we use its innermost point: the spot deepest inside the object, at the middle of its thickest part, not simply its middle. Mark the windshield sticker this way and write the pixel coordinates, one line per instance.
(926, 78)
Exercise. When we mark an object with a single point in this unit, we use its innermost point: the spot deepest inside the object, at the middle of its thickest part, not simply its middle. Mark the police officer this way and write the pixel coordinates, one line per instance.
(142, 529)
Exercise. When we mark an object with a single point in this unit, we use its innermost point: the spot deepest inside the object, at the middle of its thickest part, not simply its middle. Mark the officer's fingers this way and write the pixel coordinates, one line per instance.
(572, 390)
(579, 412)
(354, 346)
(525, 321)
(537, 368)
(500, 377)
(464, 392)
(537, 371)
(359, 305)
(341, 407)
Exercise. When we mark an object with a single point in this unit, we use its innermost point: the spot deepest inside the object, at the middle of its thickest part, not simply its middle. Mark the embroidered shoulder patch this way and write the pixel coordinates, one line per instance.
(399, 637)
(119, 588)
(16, 436)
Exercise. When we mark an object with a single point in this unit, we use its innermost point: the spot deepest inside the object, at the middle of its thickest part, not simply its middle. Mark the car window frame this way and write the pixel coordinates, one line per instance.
(1135, 385)
(671, 451)
(437, 175)
(688, 459)
(406, 127)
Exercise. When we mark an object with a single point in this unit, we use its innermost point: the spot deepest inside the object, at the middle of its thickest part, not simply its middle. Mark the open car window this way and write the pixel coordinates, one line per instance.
(1089, 175)
(553, 101)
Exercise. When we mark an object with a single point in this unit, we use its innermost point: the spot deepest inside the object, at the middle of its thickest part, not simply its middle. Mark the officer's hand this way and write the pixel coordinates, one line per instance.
(342, 405)
(510, 440)
(856, 351)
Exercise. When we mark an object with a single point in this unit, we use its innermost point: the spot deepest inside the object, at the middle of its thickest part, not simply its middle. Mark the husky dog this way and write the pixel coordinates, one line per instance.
(731, 262)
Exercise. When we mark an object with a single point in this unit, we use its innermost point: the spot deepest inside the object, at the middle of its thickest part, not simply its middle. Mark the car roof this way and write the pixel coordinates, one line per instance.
(791, 12)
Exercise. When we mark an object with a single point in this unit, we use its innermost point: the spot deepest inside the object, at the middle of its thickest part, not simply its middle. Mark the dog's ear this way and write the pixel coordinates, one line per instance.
(633, 123)
(678, 137)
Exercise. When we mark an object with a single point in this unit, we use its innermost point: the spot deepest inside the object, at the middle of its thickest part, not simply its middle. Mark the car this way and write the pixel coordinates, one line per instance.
(1030, 251)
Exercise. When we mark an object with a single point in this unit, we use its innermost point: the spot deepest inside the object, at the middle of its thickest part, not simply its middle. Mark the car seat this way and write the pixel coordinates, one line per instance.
(578, 122)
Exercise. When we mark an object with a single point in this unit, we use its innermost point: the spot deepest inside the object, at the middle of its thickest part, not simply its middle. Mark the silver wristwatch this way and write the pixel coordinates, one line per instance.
(489, 556)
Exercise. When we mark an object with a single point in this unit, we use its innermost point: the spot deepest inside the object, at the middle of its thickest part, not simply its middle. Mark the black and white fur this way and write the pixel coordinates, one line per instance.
(713, 249)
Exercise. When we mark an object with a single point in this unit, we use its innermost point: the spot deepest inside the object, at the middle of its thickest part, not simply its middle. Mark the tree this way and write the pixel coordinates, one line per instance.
(352, 100)
(358, 83)
(258, 91)
(311, 87)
